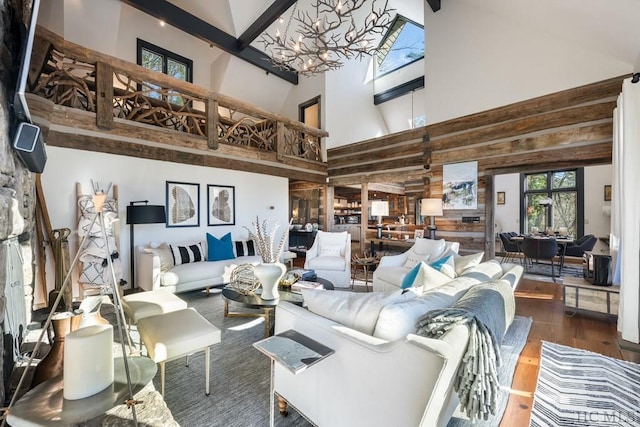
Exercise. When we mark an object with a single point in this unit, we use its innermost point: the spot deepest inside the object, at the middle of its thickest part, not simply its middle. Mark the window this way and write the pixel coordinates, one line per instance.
(309, 112)
(552, 200)
(402, 45)
(162, 61)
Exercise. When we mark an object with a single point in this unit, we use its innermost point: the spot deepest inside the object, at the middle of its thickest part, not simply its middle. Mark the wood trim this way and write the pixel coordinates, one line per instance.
(398, 91)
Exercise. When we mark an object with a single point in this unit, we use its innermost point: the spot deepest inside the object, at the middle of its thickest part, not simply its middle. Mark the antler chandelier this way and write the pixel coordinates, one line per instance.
(334, 31)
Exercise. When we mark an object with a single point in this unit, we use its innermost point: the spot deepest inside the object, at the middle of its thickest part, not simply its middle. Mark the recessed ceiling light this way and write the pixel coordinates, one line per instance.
(162, 23)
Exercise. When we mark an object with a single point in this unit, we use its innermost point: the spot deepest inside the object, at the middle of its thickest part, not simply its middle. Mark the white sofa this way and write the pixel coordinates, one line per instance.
(150, 274)
(392, 269)
(330, 257)
(372, 381)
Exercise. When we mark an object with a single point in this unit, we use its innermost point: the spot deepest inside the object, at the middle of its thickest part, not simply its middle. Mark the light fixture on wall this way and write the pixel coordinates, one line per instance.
(379, 208)
(141, 214)
(431, 208)
(327, 34)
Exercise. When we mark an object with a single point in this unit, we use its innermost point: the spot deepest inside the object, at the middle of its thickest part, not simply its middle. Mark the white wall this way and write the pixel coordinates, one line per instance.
(507, 216)
(140, 179)
(477, 60)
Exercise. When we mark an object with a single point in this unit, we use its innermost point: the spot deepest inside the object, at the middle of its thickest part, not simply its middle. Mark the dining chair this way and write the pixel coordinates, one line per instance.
(510, 248)
(540, 249)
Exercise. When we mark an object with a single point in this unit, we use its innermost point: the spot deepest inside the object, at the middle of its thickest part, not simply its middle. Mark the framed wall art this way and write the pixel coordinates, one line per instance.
(183, 204)
(500, 198)
(460, 186)
(418, 234)
(221, 205)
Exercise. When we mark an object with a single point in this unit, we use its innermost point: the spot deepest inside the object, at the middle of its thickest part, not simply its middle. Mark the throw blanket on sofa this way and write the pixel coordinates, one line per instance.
(486, 309)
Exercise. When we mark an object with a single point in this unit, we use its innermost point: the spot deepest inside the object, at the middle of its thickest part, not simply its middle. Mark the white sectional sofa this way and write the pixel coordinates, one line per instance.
(154, 271)
(392, 269)
(382, 373)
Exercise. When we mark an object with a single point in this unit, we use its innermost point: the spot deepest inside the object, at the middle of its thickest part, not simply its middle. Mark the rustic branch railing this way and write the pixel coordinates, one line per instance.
(72, 76)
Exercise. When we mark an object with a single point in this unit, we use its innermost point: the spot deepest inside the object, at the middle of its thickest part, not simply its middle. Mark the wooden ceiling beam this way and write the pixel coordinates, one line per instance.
(190, 24)
(258, 26)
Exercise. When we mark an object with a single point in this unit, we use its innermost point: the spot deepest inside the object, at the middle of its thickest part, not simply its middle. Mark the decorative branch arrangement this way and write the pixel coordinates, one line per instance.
(322, 42)
(265, 240)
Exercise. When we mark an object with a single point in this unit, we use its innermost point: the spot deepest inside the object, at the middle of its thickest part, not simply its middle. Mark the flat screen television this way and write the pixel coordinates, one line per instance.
(596, 268)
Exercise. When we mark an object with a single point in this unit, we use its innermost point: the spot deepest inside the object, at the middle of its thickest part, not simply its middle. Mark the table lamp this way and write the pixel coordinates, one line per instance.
(431, 208)
(379, 208)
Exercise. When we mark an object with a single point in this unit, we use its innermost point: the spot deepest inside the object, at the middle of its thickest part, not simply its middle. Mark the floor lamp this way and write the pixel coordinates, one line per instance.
(379, 208)
(141, 214)
(431, 208)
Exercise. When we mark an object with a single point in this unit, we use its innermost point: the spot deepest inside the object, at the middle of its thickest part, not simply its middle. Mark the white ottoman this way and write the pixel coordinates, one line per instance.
(175, 334)
(144, 304)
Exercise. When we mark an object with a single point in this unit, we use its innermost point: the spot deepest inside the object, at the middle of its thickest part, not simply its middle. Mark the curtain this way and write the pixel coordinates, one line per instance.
(625, 218)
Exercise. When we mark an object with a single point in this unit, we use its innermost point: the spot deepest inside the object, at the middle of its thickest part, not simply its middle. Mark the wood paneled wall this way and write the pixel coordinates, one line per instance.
(572, 128)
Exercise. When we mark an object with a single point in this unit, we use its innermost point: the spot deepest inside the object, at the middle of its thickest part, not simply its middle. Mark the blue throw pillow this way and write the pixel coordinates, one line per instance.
(410, 277)
(219, 249)
(437, 264)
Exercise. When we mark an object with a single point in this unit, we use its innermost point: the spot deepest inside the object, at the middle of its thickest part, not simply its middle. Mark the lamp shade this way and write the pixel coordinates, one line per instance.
(379, 208)
(146, 214)
(431, 207)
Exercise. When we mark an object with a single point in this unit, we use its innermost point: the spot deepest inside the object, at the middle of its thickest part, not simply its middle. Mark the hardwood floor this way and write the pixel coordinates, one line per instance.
(543, 302)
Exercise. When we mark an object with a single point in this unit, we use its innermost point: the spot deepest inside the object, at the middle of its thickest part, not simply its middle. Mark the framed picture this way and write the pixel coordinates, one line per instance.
(607, 193)
(221, 205)
(418, 234)
(460, 186)
(500, 198)
(183, 204)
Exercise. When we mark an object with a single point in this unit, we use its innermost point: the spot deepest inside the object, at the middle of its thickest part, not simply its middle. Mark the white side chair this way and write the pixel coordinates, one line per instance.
(330, 257)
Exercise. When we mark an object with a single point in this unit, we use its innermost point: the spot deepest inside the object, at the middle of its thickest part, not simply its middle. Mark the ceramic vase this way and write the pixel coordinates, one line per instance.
(269, 275)
(51, 366)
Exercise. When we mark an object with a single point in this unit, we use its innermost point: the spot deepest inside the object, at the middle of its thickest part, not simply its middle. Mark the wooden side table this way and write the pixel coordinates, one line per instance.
(367, 265)
(579, 294)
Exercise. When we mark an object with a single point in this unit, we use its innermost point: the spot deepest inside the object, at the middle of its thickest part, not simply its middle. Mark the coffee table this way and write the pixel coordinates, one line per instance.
(229, 294)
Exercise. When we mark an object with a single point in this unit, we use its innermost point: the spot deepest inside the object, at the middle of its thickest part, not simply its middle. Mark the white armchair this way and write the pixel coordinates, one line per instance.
(392, 268)
(330, 257)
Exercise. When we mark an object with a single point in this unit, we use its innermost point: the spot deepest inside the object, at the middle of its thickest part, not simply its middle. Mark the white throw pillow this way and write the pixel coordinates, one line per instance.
(355, 310)
(434, 248)
(428, 278)
(330, 250)
(414, 258)
(164, 253)
(467, 261)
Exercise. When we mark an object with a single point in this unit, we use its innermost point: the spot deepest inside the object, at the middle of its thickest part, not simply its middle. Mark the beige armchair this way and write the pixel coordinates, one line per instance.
(330, 257)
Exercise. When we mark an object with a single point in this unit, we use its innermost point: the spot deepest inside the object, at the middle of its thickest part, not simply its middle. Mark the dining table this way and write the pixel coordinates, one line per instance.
(562, 241)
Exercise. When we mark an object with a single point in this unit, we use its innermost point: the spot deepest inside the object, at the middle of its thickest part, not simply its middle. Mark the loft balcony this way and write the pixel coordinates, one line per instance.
(87, 100)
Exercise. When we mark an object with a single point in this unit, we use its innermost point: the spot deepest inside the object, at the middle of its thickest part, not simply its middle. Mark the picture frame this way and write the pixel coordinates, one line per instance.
(221, 205)
(500, 199)
(418, 234)
(607, 193)
(183, 204)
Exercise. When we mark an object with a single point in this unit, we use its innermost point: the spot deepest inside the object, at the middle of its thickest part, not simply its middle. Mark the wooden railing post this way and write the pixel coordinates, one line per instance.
(212, 123)
(104, 95)
(280, 143)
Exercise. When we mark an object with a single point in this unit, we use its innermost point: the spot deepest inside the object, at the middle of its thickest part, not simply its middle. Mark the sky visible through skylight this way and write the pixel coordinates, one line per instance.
(408, 47)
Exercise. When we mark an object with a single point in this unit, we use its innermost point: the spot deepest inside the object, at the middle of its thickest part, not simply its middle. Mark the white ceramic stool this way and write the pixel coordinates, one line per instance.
(179, 333)
(144, 304)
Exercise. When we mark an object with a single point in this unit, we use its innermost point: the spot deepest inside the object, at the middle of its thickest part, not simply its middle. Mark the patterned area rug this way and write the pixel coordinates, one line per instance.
(579, 388)
(543, 272)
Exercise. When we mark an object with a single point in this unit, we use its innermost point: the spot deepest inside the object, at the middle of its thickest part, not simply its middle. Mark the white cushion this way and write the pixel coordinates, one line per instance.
(434, 248)
(144, 304)
(163, 252)
(331, 238)
(333, 263)
(414, 258)
(467, 261)
(392, 274)
(428, 278)
(330, 250)
(449, 268)
(397, 320)
(193, 272)
(485, 271)
(355, 310)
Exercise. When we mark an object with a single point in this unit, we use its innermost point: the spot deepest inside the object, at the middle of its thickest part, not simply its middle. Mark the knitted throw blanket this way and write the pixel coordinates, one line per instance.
(485, 310)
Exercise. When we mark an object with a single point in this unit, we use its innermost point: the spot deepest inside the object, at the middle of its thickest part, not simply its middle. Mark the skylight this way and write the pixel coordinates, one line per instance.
(402, 45)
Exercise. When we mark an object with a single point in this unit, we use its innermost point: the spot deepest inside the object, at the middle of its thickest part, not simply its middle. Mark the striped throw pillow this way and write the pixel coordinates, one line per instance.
(187, 254)
(244, 248)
